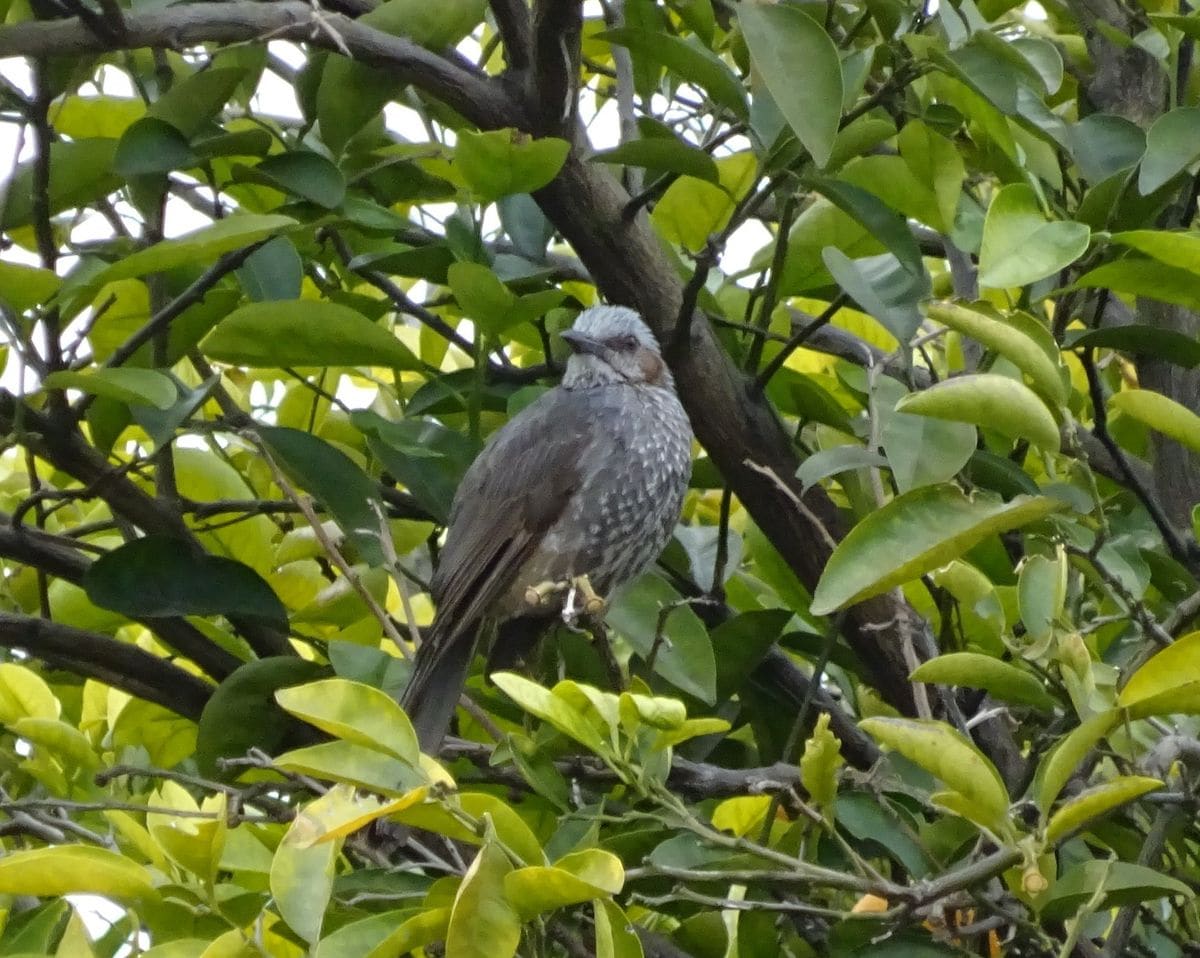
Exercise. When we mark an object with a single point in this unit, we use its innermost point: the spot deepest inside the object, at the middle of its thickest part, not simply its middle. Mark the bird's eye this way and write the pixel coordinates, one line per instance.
(623, 343)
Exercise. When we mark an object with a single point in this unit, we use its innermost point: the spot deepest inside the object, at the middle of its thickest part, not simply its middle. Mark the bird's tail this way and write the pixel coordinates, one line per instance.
(439, 674)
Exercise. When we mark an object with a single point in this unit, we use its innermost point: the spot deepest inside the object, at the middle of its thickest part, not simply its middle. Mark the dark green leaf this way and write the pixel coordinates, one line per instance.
(1172, 145)
(303, 174)
(779, 38)
(1139, 340)
(663, 155)
(242, 712)
(161, 576)
(332, 477)
(152, 146)
(1124, 883)
(274, 271)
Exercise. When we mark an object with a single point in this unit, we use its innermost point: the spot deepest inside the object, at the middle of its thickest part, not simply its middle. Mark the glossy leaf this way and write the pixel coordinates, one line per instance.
(336, 481)
(1000, 679)
(914, 533)
(985, 399)
(572, 880)
(1138, 339)
(663, 155)
(160, 576)
(356, 713)
(1172, 145)
(1056, 769)
(304, 332)
(1159, 413)
(779, 37)
(73, 869)
(1030, 348)
(146, 387)
(1020, 246)
(949, 756)
(482, 923)
(501, 162)
(1095, 802)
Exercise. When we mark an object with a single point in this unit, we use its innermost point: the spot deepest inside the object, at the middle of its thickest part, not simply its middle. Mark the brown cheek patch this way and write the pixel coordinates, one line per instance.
(652, 366)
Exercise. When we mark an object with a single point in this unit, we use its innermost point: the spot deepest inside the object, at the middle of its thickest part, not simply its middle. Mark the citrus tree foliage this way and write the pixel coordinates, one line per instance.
(916, 675)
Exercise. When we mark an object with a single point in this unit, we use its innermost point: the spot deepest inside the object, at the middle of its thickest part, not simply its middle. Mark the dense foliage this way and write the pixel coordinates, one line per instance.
(915, 676)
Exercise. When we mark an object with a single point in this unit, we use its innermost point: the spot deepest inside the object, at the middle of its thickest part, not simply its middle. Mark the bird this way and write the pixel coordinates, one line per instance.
(571, 499)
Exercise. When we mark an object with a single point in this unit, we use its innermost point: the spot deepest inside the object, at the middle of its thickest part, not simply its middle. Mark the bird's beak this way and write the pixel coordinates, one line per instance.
(581, 344)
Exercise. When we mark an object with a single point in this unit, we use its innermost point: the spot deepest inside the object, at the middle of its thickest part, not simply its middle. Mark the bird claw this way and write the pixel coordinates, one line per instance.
(581, 599)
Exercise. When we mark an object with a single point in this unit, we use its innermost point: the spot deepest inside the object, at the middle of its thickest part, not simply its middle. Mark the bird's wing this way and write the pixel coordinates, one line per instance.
(511, 495)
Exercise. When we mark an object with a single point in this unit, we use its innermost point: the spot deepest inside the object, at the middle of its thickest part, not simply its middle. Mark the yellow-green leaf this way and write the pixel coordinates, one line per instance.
(1159, 413)
(1094, 802)
(73, 869)
(24, 694)
(356, 713)
(482, 923)
(949, 756)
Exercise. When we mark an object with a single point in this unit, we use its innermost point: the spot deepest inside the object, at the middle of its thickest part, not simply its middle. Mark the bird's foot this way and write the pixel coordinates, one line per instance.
(581, 600)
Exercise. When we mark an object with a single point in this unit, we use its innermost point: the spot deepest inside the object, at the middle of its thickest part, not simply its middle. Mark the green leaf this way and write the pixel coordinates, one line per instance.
(199, 246)
(355, 713)
(885, 224)
(987, 399)
(357, 765)
(242, 713)
(152, 146)
(556, 711)
(501, 162)
(73, 869)
(615, 935)
(81, 172)
(691, 210)
(1001, 680)
(1172, 145)
(273, 272)
(302, 880)
(482, 296)
(146, 387)
(160, 576)
(24, 694)
(920, 450)
(1041, 593)
(936, 165)
(1138, 276)
(572, 880)
(23, 287)
(301, 173)
(882, 286)
(780, 37)
(951, 757)
(1026, 344)
(831, 462)
(1064, 759)
(1103, 144)
(685, 657)
(1173, 247)
(1020, 246)
(506, 825)
(191, 102)
(304, 332)
(1159, 413)
(819, 765)
(688, 60)
(1091, 804)
(663, 155)
(1124, 884)
(336, 481)
(1139, 339)
(1177, 667)
(916, 532)
(482, 923)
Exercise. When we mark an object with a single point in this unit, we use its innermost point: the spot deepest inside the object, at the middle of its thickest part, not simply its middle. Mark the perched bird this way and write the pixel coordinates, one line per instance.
(574, 496)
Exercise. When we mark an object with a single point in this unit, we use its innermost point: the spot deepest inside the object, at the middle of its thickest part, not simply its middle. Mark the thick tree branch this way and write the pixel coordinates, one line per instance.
(475, 96)
(551, 96)
(119, 664)
(513, 23)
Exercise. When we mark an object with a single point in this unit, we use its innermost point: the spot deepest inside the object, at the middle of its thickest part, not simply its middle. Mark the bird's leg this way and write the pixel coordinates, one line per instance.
(577, 587)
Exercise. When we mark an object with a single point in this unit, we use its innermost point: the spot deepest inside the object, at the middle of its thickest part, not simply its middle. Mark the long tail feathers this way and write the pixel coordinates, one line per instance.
(439, 674)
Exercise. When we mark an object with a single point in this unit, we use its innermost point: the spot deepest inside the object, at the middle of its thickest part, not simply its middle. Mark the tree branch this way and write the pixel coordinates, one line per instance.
(50, 554)
(558, 26)
(119, 664)
(475, 96)
(513, 25)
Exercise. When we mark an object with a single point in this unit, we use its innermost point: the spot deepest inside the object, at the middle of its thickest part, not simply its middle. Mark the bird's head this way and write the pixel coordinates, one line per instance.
(611, 344)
